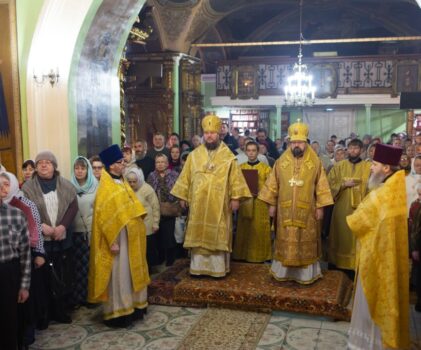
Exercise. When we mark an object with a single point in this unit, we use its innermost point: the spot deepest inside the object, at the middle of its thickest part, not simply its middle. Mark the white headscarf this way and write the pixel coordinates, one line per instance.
(139, 175)
(14, 187)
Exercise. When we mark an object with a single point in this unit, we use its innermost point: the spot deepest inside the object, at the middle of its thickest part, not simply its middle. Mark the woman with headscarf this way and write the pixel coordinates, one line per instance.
(147, 196)
(162, 181)
(55, 198)
(34, 309)
(174, 160)
(86, 185)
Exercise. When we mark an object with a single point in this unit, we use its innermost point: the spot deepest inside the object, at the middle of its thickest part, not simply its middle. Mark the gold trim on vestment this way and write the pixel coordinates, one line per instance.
(295, 280)
(208, 273)
(125, 312)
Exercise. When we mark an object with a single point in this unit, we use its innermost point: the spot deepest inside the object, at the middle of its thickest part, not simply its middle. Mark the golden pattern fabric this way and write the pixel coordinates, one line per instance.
(116, 206)
(297, 186)
(380, 225)
(253, 241)
(341, 250)
(208, 181)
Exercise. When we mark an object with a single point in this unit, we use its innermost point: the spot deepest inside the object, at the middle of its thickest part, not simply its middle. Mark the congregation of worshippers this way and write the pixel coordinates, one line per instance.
(130, 212)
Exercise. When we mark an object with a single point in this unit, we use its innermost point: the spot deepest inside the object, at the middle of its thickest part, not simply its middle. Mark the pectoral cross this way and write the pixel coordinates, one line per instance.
(294, 182)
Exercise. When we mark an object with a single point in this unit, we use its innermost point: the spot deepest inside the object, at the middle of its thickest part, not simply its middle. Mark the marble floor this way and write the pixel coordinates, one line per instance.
(165, 326)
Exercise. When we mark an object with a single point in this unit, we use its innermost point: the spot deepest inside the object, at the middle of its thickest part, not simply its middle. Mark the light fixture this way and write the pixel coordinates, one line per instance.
(52, 77)
(299, 91)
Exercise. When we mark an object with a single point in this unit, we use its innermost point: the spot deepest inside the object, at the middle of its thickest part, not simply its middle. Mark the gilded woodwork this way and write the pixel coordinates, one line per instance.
(149, 105)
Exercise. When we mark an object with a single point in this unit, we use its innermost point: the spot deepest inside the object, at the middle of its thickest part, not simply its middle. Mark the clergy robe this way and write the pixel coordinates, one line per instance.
(380, 225)
(120, 280)
(208, 181)
(253, 241)
(297, 186)
(341, 240)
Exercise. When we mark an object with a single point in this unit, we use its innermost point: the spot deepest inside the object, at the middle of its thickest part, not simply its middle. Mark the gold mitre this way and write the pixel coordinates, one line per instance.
(211, 123)
(298, 131)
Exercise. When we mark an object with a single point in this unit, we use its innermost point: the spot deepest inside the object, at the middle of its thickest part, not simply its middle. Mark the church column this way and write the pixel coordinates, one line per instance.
(278, 128)
(368, 119)
(176, 90)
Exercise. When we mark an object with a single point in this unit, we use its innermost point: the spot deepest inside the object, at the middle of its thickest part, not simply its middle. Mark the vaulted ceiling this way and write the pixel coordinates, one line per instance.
(177, 24)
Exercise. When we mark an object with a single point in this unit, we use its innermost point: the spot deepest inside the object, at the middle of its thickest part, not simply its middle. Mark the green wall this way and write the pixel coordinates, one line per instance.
(27, 13)
(208, 91)
(383, 122)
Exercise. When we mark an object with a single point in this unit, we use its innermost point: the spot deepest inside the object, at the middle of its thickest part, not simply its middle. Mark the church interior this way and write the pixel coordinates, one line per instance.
(79, 75)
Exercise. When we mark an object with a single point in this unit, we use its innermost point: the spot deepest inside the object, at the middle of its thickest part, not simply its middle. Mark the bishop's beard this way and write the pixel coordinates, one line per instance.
(297, 152)
(212, 145)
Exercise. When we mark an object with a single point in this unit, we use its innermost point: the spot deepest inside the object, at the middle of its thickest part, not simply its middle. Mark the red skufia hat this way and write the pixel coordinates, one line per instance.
(387, 154)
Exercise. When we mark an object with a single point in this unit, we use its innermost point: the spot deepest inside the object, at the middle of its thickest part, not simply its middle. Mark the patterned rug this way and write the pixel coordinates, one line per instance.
(226, 329)
(251, 287)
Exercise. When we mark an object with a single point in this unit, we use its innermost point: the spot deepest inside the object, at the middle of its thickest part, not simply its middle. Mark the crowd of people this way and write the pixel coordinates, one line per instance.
(129, 212)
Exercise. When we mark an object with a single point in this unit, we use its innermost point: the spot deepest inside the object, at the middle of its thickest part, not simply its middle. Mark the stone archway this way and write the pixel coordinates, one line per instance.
(96, 83)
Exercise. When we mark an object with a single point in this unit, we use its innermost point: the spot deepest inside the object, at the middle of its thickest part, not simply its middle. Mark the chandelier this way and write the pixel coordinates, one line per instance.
(299, 90)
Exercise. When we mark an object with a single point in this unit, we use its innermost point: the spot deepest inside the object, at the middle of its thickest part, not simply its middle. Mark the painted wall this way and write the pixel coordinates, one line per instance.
(27, 13)
(52, 48)
(208, 90)
(65, 38)
(383, 122)
(97, 90)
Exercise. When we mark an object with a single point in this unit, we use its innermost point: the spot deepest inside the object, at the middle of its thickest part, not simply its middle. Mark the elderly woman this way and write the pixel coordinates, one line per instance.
(55, 198)
(36, 305)
(86, 185)
(147, 196)
(162, 181)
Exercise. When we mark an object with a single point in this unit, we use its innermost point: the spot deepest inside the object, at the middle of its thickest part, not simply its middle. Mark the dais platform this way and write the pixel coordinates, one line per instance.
(251, 287)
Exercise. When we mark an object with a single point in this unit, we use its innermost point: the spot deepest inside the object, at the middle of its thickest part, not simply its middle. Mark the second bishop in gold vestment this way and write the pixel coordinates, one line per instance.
(297, 187)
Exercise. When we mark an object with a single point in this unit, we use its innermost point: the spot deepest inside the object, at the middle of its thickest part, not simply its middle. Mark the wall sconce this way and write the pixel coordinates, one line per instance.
(52, 77)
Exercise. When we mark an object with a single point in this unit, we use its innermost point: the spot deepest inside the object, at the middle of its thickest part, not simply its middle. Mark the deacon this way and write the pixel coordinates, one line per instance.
(380, 315)
(212, 185)
(297, 190)
(118, 272)
(348, 183)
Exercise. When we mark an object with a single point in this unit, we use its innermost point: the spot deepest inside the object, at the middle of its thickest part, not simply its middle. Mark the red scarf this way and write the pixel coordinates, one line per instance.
(32, 225)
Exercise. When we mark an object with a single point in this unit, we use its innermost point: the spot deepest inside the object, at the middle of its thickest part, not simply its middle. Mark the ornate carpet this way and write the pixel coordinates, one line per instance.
(221, 329)
(251, 287)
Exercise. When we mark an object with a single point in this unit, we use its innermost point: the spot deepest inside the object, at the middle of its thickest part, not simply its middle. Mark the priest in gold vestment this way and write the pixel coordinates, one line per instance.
(253, 241)
(380, 314)
(212, 185)
(118, 271)
(297, 190)
(348, 183)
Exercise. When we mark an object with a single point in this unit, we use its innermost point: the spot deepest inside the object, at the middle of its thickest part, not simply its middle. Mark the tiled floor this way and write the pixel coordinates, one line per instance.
(165, 326)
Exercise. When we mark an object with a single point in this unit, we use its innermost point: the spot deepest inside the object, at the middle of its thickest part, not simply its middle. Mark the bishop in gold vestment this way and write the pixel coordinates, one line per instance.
(297, 190)
(211, 183)
(348, 183)
(118, 271)
(380, 315)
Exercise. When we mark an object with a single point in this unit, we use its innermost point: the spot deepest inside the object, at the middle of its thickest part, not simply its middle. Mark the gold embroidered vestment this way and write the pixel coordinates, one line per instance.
(297, 186)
